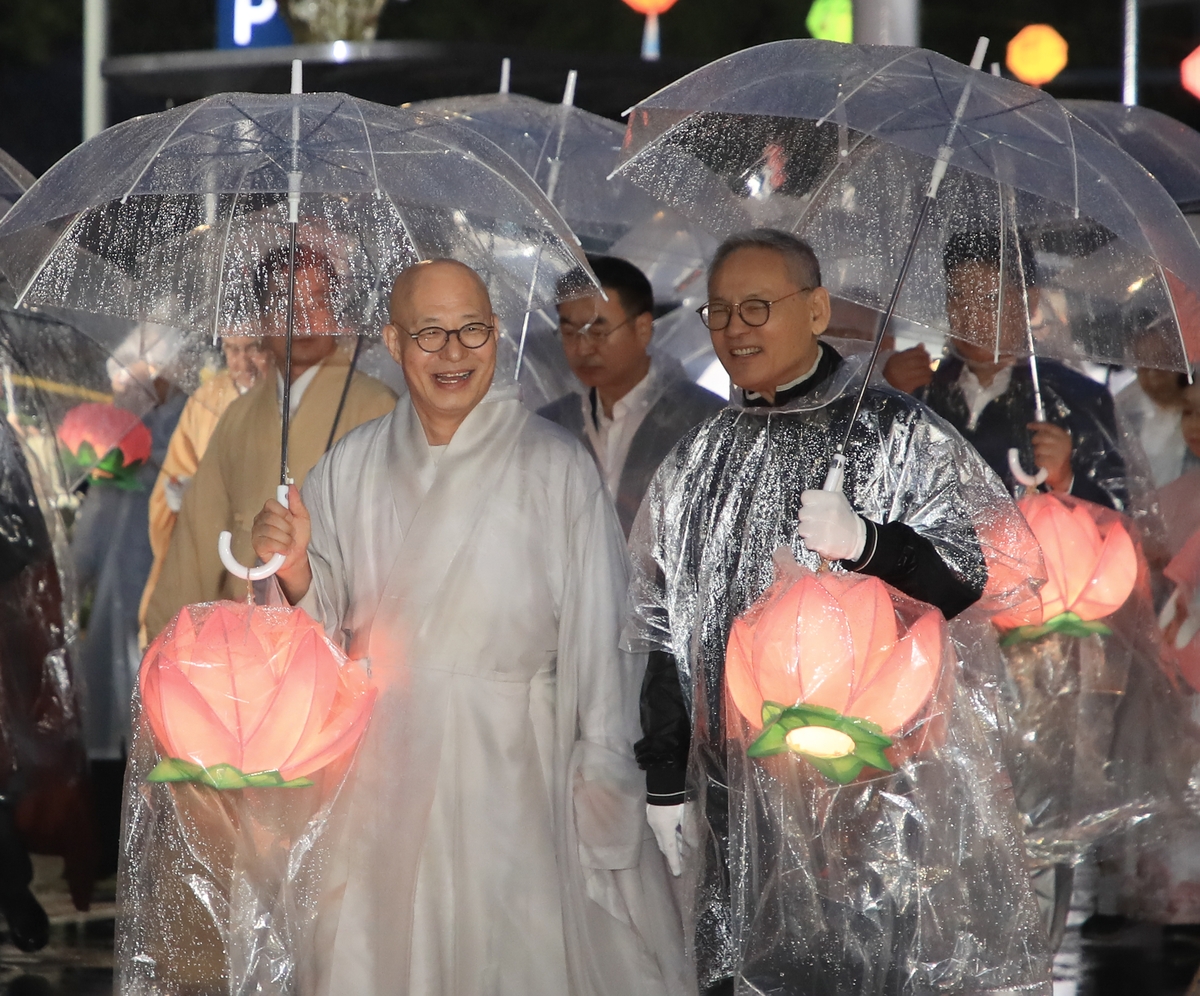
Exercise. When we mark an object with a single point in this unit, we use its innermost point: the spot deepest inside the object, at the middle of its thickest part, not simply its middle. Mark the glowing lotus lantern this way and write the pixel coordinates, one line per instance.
(107, 443)
(651, 8)
(242, 696)
(823, 668)
(1091, 569)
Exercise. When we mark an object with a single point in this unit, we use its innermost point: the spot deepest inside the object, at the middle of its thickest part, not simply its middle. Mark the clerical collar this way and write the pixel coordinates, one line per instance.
(828, 360)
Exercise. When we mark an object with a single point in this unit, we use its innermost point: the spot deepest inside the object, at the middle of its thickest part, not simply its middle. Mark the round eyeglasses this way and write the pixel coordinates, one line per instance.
(753, 312)
(433, 339)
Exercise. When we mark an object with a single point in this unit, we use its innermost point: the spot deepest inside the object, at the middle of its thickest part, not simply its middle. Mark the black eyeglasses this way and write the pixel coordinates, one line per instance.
(754, 312)
(433, 339)
(573, 335)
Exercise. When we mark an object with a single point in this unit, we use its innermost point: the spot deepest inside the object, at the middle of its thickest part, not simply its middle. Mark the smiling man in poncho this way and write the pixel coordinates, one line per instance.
(496, 840)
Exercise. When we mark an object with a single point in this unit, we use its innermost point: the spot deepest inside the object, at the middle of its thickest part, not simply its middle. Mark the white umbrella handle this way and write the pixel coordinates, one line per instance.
(225, 549)
(1018, 472)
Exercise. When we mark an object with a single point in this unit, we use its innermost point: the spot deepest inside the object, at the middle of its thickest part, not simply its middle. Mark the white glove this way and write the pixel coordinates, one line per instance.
(173, 491)
(667, 824)
(830, 527)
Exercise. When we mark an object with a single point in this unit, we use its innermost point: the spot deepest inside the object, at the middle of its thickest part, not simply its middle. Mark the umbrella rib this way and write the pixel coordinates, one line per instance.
(863, 83)
(162, 145)
(46, 259)
(224, 251)
(370, 145)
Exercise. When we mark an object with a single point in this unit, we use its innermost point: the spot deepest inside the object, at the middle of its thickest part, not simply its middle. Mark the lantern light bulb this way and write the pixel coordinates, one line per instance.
(820, 741)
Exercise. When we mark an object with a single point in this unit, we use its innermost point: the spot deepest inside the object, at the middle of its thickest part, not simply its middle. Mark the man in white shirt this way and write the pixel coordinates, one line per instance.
(635, 406)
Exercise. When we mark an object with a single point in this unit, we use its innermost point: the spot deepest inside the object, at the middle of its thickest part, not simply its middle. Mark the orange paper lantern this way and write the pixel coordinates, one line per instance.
(649, 7)
(106, 442)
(824, 669)
(1091, 569)
(1036, 54)
(1189, 73)
(246, 696)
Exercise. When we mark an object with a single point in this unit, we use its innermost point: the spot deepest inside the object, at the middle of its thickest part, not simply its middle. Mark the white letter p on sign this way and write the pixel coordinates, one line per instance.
(247, 15)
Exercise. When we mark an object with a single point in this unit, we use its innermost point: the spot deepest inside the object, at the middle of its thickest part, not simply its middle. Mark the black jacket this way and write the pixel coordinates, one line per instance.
(1072, 401)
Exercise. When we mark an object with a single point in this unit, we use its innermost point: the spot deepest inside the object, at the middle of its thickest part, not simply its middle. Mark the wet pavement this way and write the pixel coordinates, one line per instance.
(1127, 959)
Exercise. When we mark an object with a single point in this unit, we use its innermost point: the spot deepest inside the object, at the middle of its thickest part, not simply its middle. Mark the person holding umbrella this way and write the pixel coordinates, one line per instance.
(992, 400)
(468, 548)
(744, 483)
(236, 474)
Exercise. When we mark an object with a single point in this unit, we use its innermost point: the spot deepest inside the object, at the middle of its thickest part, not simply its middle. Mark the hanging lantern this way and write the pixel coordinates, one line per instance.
(831, 20)
(243, 696)
(1036, 54)
(106, 443)
(823, 668)
(651, 8)
(1091, 569)
(1189, 73)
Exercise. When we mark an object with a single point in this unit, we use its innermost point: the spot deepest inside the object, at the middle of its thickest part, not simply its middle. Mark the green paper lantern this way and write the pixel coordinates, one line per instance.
(831, 20)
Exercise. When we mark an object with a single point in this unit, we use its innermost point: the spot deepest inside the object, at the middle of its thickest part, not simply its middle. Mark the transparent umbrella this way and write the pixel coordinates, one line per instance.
(1169, 149)
(169, 218)
(879, 155)
(15, 179)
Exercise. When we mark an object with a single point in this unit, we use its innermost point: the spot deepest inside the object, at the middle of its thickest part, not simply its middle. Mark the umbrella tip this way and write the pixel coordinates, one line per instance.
(297, 76)
(995, 69)
(505, 73)
(569, 90)
(981, 48)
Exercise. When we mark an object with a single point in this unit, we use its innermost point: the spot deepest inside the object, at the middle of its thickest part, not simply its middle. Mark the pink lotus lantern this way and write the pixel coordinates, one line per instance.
(1091, 569)
(107, 443)
(243, 696)
(823, 667)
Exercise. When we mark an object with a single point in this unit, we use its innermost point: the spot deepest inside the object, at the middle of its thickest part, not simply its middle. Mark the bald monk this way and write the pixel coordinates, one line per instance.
(240, 468)
(247, 361)
(468, 548)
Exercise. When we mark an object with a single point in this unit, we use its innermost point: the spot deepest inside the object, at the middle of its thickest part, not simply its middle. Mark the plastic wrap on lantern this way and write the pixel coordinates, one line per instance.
(1148, 871)
(105, 443)
(859, 761)
(248, 718)
(1068, 656)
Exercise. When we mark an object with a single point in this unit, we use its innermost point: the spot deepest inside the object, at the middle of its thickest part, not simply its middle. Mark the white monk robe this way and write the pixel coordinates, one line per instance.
(495, 841)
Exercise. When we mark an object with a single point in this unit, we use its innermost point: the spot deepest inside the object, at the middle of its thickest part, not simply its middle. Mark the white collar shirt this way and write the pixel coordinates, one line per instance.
(299, 386)
(612, 437)
(979, 397)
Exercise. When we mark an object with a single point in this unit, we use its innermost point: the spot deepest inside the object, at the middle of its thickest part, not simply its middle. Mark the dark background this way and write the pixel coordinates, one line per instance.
(40, 74)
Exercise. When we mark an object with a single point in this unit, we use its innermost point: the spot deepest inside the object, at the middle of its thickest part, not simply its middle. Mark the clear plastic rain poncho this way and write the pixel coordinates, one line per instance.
(43, 766)
(169, 217)
(908, 882)
(570, 153)
(247, 719)
(837, 144)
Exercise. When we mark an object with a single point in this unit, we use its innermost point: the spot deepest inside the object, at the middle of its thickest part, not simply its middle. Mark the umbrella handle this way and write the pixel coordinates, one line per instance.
(261, 573)
(1018, 472)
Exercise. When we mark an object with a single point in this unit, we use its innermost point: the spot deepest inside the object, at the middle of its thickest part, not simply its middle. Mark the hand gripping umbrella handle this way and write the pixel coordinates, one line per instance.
(1018, 472)
(251, 573)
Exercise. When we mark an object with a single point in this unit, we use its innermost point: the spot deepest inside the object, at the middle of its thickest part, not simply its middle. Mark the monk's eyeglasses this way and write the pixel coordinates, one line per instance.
(433, 339)
(754, 311)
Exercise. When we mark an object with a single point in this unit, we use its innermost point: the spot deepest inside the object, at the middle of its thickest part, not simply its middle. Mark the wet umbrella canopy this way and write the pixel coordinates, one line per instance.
(1169, 149)
(166, 217)
(838, 144)
(15, 179)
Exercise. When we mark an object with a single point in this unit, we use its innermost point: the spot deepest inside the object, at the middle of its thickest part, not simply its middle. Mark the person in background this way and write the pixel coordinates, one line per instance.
(635, 405)
(247, 361)
(110, 548)
(240, 468)
(45, 806)
(1152, 407)
(988, 396)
